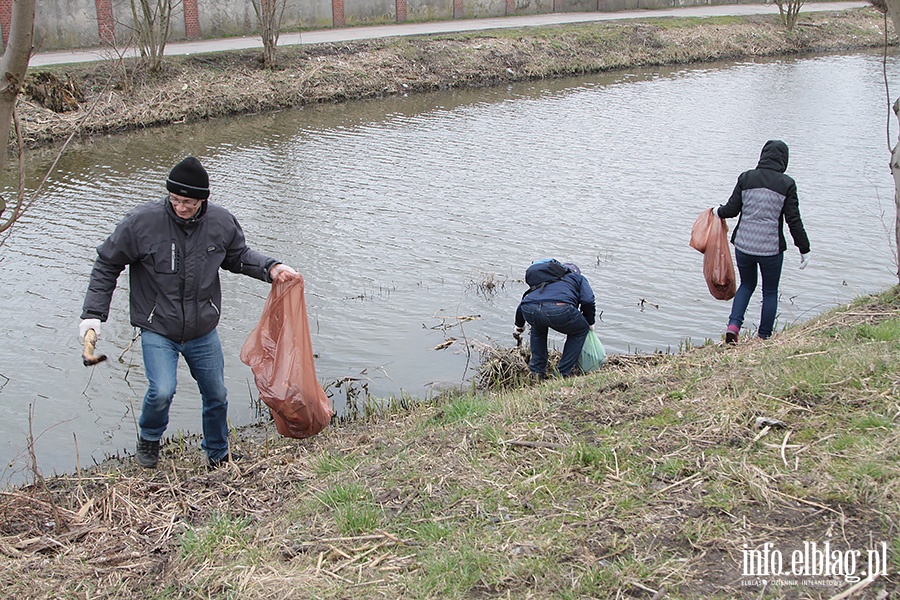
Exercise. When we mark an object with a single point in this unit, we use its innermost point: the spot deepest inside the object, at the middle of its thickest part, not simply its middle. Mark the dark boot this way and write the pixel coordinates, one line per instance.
(147, 454)
(230, 456)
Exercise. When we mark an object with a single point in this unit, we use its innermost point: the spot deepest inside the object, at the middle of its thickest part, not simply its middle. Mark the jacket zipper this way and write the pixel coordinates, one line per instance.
(150, 316)
(173, 257)
(215, 308)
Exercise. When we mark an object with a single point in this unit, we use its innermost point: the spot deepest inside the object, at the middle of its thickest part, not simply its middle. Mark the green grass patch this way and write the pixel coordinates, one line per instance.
(884, 331)
(353, 508)
(462, 408)
(222, 535)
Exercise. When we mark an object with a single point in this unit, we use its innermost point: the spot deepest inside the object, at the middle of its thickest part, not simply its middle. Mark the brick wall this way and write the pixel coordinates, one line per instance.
(66, 24)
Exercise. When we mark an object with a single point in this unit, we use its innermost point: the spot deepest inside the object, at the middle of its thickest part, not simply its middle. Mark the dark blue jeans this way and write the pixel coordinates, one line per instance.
(560, 317)
(770, 268)
(207, 364)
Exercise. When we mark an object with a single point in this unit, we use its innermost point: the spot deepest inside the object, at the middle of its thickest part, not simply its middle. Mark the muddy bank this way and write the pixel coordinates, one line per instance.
(120, 95)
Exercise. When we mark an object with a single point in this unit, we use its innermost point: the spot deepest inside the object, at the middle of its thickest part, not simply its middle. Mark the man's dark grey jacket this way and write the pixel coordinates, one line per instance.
(174, 268)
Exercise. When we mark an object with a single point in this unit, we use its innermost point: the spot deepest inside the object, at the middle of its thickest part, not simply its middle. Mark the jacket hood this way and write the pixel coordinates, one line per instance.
(774, 156)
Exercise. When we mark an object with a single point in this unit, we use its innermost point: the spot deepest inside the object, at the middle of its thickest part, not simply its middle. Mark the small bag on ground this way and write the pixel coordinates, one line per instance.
(279, 352)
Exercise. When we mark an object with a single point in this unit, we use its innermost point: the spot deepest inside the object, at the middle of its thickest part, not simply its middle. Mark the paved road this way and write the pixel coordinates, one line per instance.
(379, 31)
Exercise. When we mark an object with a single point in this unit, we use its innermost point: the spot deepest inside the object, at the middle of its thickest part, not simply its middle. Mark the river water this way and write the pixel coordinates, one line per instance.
(413, 219)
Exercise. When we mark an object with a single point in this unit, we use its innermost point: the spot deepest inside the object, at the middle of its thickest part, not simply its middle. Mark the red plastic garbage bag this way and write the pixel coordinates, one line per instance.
(280, 354)
(709, 235)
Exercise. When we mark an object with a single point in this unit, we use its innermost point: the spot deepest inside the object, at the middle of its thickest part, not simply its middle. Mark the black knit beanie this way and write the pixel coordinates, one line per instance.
(189, 178)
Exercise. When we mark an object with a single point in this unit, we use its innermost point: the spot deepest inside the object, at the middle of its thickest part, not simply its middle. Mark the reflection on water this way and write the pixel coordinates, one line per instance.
(398, 211)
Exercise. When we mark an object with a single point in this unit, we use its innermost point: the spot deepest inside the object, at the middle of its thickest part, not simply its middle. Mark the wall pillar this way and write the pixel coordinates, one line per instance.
(337, 13)
(401, 10)
(458, 9)
(557, 5)
(191, 19)
(106, 25)
(510, 7)
(5, 18)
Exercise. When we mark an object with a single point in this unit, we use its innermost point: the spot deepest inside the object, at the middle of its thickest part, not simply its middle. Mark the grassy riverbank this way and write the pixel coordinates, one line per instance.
(651, 478)
(118, 95)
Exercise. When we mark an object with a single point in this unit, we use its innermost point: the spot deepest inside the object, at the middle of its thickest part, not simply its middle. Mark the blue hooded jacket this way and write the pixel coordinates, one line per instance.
(572, 289)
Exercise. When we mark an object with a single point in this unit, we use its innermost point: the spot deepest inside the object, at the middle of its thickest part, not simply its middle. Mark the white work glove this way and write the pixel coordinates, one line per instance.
(517, 334)
(89, 324)
(804, 260)
(281, 273)
(715, 210)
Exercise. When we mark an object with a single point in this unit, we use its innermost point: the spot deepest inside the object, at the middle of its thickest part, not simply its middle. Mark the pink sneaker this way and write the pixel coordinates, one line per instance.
(731, 334)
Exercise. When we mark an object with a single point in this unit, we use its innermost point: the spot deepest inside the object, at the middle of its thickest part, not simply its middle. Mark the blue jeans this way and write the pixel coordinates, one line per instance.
(770, 267)
(560, 317)
(204, 357)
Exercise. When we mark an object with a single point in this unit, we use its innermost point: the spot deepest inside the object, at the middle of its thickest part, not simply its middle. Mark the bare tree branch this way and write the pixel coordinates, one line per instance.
(13, 67)
(269, 13)
(152, 19)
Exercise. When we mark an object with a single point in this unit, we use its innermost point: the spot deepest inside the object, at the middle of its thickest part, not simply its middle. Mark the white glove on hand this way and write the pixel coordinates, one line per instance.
(89, 324)
(282, 272)
(804, 260)
(715, 210)
(517, 334)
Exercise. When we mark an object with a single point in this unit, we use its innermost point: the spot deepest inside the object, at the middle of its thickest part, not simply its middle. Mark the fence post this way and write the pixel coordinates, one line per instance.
(191, 19)
(5, 18)
(106, 25)
(337, 13)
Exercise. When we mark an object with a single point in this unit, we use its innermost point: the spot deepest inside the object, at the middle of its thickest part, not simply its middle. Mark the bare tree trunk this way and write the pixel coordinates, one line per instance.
(151, 24)
(895, 172)
(789, 11)
(14, 66)
(892, 7)
(269, 14)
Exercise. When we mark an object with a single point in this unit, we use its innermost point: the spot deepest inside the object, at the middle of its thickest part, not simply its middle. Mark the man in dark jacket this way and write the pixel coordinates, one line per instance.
(565, 304)
(174, 249)
(764, 198)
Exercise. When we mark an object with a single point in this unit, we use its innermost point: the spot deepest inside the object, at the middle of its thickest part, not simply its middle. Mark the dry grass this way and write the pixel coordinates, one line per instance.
(121, 96)
(646, 479)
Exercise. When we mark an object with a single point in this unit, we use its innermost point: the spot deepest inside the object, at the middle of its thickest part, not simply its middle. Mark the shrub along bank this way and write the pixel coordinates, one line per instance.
(659, 476)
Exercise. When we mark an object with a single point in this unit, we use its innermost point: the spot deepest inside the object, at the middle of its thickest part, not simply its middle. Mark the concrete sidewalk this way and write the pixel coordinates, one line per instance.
(380, 31)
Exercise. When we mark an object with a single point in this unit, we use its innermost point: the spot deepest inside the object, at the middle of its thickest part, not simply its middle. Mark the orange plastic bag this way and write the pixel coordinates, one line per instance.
(709, 235)
(280, 354)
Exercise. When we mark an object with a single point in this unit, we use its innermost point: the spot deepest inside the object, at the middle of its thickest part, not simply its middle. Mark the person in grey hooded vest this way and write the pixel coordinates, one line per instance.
(765, 198)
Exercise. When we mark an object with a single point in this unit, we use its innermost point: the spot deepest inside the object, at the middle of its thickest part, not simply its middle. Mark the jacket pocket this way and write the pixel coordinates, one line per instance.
(165, 257)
